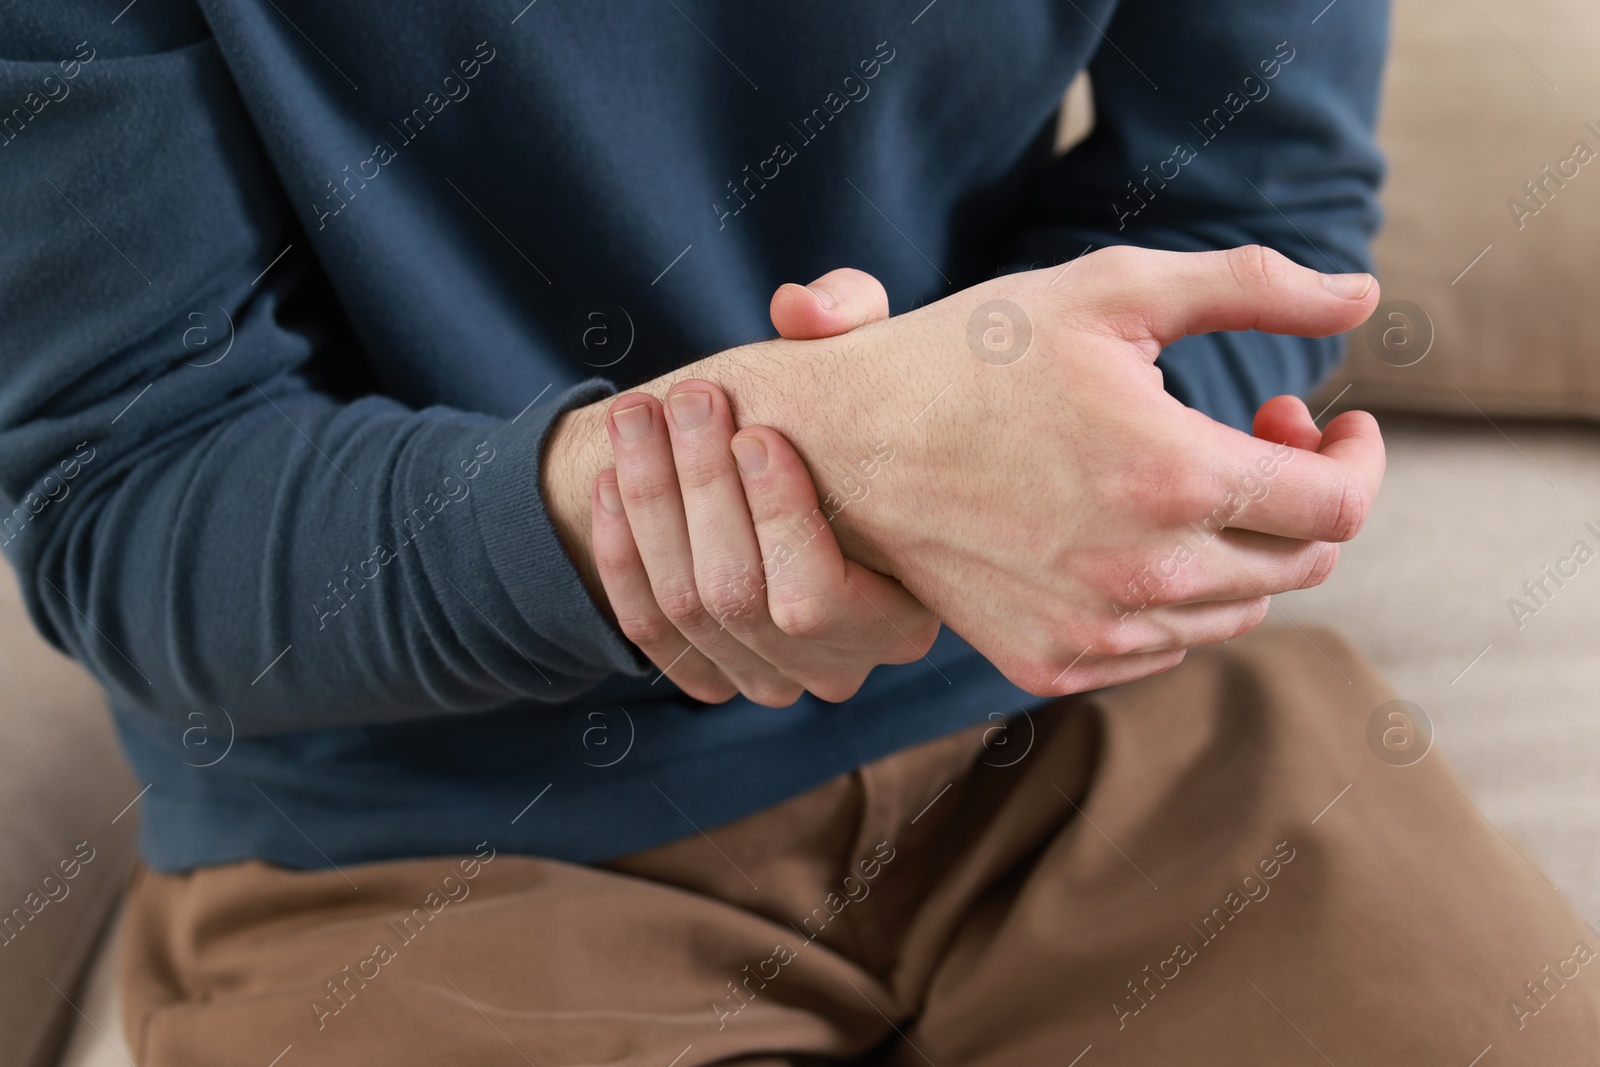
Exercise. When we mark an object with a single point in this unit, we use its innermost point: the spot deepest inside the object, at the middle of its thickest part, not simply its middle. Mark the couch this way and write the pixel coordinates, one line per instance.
(1479, 363)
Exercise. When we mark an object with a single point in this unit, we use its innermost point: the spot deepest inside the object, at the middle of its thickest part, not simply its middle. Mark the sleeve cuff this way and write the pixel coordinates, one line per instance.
(527, 554)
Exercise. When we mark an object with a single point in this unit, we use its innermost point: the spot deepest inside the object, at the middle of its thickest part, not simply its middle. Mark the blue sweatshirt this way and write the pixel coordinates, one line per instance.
(291, 292)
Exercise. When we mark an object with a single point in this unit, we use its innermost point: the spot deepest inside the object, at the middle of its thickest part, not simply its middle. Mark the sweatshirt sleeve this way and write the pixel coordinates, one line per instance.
(1218, 124)
(207, 500)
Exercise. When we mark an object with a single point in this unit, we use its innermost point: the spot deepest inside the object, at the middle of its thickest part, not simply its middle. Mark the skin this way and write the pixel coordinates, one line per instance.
(1028, 502)
(714, 554)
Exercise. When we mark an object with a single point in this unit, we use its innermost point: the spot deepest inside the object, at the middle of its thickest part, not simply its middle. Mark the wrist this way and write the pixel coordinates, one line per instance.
(837, 401)
(575, 452)
(854, 419)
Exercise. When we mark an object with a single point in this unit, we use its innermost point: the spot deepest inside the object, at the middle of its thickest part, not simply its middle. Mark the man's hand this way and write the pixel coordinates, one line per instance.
(729, 578)
(1053, 504)
(717, 560)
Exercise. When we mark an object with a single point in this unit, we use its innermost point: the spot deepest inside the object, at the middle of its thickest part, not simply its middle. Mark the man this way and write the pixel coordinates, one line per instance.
(323, 293)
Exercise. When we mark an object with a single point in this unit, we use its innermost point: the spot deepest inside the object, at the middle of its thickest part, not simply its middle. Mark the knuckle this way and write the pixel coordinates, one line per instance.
(612, 558)
(835, 688)
(1173, 659)
(1040, 681)
(1131, 585)
(1114, 274)
(645, 630)
(772, 693)
(807, 617)
(1173, 591)
(1114, 261)
(699, 468)
(731, 599)
(708, 691)
(1180, 583)
(679, 601)
(916, 641)
(1260, 608)
(1321, 566)
(1176, 489)
(1256, 266)
(1200, 500)
(1183, 500)
(645, 491)
(1028, 671)
(1055, 670)
(1116, 640)
(1168, 577)
(860, 290)
(1347, 511)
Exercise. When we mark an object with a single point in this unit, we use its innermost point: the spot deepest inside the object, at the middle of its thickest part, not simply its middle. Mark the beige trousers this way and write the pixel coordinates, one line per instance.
(1212, 866)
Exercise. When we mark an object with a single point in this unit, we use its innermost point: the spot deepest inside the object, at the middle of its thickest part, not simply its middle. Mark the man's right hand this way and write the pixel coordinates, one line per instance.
(1051, 502)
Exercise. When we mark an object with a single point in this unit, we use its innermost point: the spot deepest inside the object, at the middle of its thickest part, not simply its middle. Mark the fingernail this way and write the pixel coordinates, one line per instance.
(610, 499)
(751, 455)
(824, 297)
(1349, 286)
(632, 423)
(690, 409)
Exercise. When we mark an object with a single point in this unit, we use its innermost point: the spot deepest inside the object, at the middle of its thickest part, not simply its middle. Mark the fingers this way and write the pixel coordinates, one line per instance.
(813, 592)
(1271, 488)
(726, 562)
(1163, 296)
(648, 481)
(1286, 420)
(800, 606)
(682, 563)
(1153, 622)
(835, 303)
(1229, 565)
(627, 586)
(1171, 629)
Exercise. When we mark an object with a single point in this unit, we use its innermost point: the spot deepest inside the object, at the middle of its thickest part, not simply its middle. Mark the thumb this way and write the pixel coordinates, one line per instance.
(1164, 296)
(835, 303)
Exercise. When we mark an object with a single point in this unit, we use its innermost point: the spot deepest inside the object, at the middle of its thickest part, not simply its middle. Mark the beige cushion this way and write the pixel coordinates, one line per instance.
(62, 782)
(1470, 115)
(97, 1039)
(1463, 520)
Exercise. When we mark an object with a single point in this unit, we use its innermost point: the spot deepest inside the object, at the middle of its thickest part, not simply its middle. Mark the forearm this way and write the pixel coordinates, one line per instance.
(363, 563)
(824, 396)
